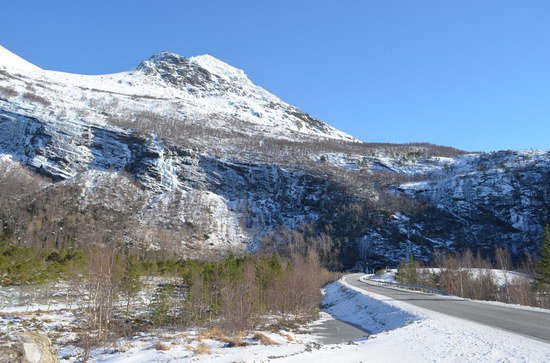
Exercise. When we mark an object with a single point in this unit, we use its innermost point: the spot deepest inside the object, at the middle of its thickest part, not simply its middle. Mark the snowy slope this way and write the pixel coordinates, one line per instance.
(14, 62)
(170, 86)
(479, 201)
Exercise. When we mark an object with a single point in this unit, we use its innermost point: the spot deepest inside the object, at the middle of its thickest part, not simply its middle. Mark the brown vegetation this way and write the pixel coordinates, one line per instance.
(33, 97)
(215, 333)
(163, 346)
(237, 294)
(201, 348)
(471, 276)
(101, 290)
(264, 339)
(8, 92)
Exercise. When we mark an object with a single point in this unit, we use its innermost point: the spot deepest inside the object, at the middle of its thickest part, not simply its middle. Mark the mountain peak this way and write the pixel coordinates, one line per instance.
(194, 70)
(160, 58)
(219, 68)
(175, 69)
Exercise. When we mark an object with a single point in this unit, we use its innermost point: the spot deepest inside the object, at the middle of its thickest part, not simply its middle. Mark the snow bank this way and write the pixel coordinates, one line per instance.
(386, 276)
(431, 337)
(364, 311)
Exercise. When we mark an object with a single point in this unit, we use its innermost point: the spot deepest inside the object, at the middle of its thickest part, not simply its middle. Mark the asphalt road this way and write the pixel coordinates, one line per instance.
(338, 332)
(534, 324)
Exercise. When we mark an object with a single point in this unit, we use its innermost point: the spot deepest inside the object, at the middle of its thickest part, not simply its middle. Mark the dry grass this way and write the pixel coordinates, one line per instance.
(288, 337)
(202, 348)
(235, 340)
(212, 333)
(184, 336)
(163, 346)
(216, 333)
(264, 339)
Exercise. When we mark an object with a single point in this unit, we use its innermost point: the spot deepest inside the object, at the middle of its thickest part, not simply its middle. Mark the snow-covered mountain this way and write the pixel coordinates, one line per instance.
(188, 155)
(79, 129)
(167, 86)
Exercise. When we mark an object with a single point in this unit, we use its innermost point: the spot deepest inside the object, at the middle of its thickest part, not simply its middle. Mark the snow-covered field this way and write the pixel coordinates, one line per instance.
(398, 332)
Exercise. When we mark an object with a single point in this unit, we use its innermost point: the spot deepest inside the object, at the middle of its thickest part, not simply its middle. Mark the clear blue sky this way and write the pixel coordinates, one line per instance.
(470, 74)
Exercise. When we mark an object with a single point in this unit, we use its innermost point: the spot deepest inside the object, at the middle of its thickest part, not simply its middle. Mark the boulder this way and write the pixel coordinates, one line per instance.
(27, 348)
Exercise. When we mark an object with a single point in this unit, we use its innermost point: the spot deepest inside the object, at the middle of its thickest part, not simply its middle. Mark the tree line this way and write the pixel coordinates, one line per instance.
(233, 294)
(472, 276)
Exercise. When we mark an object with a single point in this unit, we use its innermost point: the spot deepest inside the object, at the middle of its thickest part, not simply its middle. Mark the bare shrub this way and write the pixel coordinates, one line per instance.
(472, 277)
(504, 262)
(8, 92)
(195, 308)
(212, 333)
(466, 276)
(235, 339)
(288, 337)
(522, 293)
(239, 301)
(298, 290)
(101, 289)
(216, 333)
(33, 97)
(237, 294)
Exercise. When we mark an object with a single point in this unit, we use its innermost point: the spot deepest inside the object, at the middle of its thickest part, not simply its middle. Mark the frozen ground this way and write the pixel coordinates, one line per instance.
(398, 332)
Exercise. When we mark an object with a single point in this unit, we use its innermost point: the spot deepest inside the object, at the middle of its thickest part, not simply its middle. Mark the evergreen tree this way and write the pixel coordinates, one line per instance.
(130, 284)
(160, 306)
(407, 272)
(275, 264)
(543, 266)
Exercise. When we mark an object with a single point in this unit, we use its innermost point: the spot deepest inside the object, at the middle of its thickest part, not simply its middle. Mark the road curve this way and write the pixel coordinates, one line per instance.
(531, 323)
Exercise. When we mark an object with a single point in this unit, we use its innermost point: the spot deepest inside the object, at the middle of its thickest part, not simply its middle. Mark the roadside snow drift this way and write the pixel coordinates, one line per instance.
(362, 310)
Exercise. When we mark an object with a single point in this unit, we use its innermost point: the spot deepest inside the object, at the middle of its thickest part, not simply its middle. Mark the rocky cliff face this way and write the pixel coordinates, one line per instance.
(216, 203)
(480, 201)
(188, 155)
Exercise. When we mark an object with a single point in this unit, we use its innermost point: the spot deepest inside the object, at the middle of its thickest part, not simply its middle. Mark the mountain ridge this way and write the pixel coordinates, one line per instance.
(188, 156)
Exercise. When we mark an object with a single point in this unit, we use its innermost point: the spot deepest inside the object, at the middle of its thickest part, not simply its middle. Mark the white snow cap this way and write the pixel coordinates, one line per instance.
(11, 61)
(226, 96)
(219, 68)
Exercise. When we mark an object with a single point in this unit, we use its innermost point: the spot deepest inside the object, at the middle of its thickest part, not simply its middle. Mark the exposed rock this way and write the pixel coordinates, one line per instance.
(176, 70)
(27, 348)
